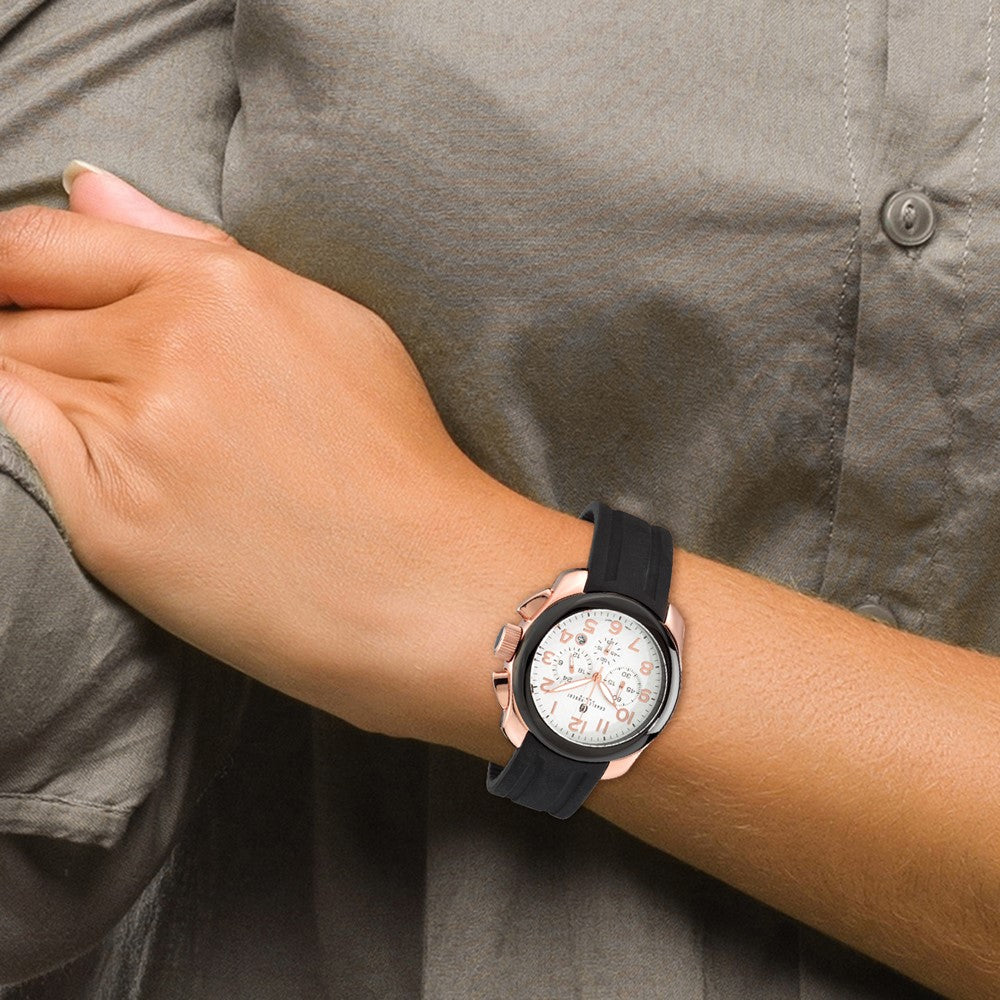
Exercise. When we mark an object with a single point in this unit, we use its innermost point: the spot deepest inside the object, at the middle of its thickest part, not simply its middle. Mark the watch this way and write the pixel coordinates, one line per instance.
(592, 671)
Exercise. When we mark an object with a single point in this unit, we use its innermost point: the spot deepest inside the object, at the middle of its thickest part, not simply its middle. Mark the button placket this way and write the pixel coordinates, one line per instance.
(890, 531)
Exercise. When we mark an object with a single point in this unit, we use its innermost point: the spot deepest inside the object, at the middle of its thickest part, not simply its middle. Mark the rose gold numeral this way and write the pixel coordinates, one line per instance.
(566, 636)
(624, 715)
(615, 627)
(644, 694)
(589, 625)
(547, 656)
(602, 726)
(632, 645)
(578, 725)
(646, 668)
(548, 683)
(556, 702)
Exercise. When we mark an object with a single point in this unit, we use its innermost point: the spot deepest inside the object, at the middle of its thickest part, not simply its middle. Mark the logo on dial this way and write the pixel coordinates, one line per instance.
(597, 677)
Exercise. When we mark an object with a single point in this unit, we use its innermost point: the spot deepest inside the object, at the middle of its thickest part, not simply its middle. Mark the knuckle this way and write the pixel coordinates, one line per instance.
(231, 291)
(207, 272)
(25, 228)
(222, 270)
(210, 285)
(219, 284)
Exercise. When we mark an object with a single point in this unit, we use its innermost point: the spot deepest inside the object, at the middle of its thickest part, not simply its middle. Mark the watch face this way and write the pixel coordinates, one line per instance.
(598, 677)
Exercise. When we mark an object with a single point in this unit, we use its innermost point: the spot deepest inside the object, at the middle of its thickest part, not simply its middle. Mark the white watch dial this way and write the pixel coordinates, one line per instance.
(596, 677)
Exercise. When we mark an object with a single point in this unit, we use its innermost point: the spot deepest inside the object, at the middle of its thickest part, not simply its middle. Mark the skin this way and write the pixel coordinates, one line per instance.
(253, 461)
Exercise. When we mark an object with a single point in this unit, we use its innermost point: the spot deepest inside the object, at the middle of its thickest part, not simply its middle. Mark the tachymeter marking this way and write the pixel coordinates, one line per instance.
(596, 677)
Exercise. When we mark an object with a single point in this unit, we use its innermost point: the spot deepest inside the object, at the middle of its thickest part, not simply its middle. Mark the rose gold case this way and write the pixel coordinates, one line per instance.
(570, 581)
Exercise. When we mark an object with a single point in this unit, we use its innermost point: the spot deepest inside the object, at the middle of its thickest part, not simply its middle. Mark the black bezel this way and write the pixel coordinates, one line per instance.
(537, 630)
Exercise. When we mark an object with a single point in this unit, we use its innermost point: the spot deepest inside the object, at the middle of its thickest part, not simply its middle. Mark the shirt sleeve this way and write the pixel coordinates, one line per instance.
(87, 705)
(110, 728)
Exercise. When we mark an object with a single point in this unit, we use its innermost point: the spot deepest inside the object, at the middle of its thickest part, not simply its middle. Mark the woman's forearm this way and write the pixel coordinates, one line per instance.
(842, 771)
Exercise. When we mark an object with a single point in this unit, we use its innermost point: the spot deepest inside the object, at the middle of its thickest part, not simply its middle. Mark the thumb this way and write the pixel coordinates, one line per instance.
(98, 193)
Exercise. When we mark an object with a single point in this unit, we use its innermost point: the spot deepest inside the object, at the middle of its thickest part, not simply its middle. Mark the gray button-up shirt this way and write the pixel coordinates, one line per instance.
(636, 250)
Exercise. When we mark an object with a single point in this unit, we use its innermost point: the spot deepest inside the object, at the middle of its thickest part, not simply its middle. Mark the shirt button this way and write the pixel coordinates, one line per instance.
(908, 218)
(876, 612)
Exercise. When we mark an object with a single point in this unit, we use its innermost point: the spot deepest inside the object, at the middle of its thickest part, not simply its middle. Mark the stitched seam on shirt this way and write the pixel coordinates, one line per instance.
(56, 800)
(836, 385)
(946, 493)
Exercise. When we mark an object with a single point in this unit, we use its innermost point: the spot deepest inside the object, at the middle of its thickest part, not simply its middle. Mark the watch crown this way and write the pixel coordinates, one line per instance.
(507, 639)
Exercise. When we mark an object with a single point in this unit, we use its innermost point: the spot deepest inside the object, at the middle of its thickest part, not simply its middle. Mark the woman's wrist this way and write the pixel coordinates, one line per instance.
(510, 547)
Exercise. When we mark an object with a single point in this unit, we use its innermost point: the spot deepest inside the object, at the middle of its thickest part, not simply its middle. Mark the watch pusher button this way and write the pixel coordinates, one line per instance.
(507, 639)
(501, 688)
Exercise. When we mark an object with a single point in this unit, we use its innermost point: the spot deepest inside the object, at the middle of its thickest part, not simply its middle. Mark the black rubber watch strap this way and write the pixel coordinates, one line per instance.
(540, 779)
(629, 556)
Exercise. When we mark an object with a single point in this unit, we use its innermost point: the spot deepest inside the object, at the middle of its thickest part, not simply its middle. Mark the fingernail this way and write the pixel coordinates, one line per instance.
(73, 170)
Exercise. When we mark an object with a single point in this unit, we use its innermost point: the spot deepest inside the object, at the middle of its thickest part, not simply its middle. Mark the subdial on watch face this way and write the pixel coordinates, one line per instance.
(572, 669)
(607, 650)
(579, 664)
(623, 683)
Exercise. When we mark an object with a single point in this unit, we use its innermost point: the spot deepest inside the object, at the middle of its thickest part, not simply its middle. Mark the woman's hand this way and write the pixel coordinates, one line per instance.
(249, 458)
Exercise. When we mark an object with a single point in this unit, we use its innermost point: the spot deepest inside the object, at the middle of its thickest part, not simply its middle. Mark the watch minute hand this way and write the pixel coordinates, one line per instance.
(606, 693)
(568, 685)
